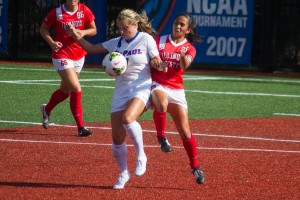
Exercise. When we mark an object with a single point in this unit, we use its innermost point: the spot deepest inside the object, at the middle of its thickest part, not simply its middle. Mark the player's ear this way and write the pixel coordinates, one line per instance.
(188, 31)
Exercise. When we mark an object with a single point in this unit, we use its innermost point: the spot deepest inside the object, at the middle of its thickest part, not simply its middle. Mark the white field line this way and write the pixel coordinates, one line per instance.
(168, 132)
(155, 146)
(146, 146)
(46, 82)
(188, 77)
(245, 93)
(56, 80)
(287, 114)
(47, 70)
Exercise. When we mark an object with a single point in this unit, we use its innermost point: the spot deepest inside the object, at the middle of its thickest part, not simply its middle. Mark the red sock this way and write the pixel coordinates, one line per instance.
(160, 121)
(56, 97)
(76, 107)
(191, 150)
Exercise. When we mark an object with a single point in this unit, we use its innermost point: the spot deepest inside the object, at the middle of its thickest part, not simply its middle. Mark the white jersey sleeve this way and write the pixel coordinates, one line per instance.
(110, 45)
(152, 47)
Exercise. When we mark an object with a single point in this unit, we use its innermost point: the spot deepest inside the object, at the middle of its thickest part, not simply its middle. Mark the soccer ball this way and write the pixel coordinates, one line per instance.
(114, 64)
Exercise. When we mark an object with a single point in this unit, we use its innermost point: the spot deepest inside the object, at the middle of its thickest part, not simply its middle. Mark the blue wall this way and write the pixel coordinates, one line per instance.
(99, 8)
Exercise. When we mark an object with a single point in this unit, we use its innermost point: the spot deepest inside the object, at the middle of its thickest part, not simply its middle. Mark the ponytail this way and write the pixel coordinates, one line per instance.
(142, 19)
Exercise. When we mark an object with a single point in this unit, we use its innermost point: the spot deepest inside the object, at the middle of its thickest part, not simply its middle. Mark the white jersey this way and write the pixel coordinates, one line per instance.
(136, 81)
(138, 52)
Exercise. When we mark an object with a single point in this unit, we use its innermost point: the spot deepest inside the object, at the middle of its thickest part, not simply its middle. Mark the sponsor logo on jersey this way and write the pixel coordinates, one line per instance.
(132, 52)
(80, 15)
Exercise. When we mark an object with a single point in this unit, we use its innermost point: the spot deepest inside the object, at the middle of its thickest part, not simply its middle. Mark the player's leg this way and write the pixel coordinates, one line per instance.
(69, 71)
(119, 149)
(70, 80)
(160, 104)
(179, 115)
(135, 108)
(57, 96)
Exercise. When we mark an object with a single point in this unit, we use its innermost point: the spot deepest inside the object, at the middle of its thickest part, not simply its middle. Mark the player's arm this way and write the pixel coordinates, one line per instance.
(90, 48)
(184, 61)
(90, 31)
(45, 33)
(158, 64)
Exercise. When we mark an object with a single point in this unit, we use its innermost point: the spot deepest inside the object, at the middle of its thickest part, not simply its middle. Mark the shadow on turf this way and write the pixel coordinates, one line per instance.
(8, 131)
(60, 185)
(51, 185)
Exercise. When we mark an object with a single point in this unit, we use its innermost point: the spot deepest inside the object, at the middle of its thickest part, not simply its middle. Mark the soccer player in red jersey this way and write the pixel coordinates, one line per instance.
(167, 93)
(68, 57)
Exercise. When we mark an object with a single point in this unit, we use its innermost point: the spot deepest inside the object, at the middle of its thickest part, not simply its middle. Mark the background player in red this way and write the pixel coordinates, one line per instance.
(168, 89)
(68, 57)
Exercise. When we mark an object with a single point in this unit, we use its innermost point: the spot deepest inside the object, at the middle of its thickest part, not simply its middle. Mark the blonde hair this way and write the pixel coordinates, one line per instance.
(142, 19)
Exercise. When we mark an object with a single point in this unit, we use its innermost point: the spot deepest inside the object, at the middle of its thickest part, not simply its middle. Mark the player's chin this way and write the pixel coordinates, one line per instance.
(126, 37)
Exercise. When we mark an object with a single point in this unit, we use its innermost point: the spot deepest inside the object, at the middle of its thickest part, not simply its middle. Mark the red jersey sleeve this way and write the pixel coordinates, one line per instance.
(89, 15)
(50, 18)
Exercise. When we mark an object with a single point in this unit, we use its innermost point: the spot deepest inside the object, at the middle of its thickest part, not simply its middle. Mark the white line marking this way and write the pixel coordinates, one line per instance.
(56, 80)
(268, 80)
(35, 82)
(258, 150)
(147, 146)
(51, 84)
(47, 70)
(287, 114)
(168, 132)
(186, 77)
(245, 93)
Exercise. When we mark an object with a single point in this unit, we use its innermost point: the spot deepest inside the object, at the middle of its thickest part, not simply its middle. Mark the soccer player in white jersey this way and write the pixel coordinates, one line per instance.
(132, 90)
(67, 57)
(167, 93)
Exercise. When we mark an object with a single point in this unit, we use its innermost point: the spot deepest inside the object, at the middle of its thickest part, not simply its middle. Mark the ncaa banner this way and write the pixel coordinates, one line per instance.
(225, 26)
(3, 25)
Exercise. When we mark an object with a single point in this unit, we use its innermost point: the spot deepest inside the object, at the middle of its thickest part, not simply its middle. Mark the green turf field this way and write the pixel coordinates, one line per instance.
(24, 88)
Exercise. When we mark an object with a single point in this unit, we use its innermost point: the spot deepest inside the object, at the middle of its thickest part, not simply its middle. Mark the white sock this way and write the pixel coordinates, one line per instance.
(134, 130)
(120, 155)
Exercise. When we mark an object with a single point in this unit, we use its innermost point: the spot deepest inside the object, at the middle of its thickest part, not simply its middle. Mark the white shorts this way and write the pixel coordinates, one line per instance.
(126, 90)
(176, 96)
(62, 64)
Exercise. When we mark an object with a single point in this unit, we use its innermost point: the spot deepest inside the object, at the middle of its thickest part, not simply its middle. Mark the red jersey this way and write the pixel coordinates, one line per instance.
(169, 52)
(58, 17)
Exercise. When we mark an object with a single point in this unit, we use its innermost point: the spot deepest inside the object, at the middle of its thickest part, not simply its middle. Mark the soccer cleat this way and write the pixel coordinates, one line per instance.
(141, 163)
(199, 175)
(46, 117)
(122, 180)
(83, 132)
(165, 145)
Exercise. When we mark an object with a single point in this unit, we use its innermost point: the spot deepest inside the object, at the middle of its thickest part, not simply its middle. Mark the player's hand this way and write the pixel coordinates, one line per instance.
(183, 52)
(163, 66)
(158, 64)
(56, 46)
(75, 33)
(80, 33)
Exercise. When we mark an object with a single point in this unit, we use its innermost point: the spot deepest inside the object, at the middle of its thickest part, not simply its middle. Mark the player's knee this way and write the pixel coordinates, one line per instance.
(162, 106)
(75, 88)
(185, 137)
(127, 119)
